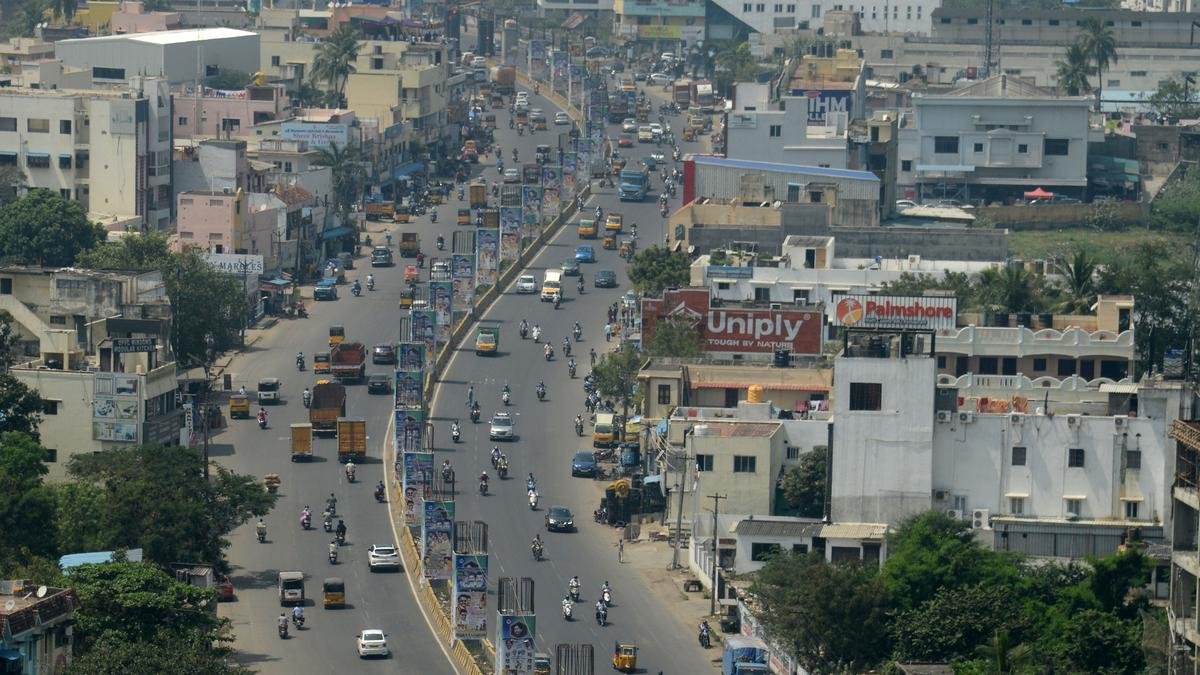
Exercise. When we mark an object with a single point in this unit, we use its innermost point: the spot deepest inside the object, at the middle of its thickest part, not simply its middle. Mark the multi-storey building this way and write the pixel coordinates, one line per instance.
(205, 112)
(911, 17)
(36, 626)
(665, 25)
(402, 83)
(177, 56)
(108, 149)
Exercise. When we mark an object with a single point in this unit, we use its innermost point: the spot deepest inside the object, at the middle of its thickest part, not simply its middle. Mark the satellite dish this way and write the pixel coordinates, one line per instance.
(8, 605)
(42, 591)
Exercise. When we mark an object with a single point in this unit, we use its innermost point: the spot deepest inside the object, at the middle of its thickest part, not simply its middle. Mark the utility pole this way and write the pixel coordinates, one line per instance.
(679, 516)
(715, 559)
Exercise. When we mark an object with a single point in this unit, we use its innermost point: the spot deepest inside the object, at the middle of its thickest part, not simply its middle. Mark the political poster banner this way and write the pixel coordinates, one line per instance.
(409, 431)
(437, 540)
(417, 483)
(510, 233)
(531, 202)
(409, 386)
(462, 273)
(410, 356)
(569, 168)
(515, 648)
(487, 256)
(470, 596)
(441, 294)
(424, 328)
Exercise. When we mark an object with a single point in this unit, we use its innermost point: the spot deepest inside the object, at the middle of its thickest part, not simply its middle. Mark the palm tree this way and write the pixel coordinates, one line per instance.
(1002, 655)
(1079, 276)
(335, 60)
(348, 173)
(1009, 289)
(1073, 72)
(1100, 45)
(64, 8)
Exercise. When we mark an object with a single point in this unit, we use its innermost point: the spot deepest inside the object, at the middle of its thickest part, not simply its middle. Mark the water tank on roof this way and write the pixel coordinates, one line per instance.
(755, 393)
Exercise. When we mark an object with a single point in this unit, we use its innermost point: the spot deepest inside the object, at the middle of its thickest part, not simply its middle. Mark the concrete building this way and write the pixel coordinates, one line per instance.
(828, 85)
(784, 135)
(714, 382)
(213, 113)
(22, 50)
(101, 360)
(664, 25)
(996, 139)
(401, 83)
(178, 56)
(872, 17)
(133, 17)
(53, 135)
(555, 7)
(48, 73)
(217, 165)
(1183, 610)
(36, 626)
(212, 220)
(1062, 26)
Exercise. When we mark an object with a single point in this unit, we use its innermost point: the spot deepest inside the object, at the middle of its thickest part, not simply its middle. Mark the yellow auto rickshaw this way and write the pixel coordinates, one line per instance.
(401, 215)
(625, 656)
(333, 592)
(337, 335)
(321, 362)
(411, 274)
(464, 216)
(610, 242)
(239, 407)
(522, 117)
(542, 664)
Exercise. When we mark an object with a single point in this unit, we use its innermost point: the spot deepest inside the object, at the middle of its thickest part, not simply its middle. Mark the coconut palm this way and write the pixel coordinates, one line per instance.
(349, 177)
(1079, 280)
(1002, 656)
(335, 59)
(64, 9)
(1073, 71)
(1009, 289)
(1100, 45)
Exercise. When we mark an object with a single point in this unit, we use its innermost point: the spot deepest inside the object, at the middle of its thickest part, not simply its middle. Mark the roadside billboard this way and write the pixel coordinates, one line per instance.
(417, 482)
(894, 312)
(437, 540)
(736, 329)
(515, 648)
(409, 384)
(821, 102)
(487, 255)
(470, 596)
(441, 295)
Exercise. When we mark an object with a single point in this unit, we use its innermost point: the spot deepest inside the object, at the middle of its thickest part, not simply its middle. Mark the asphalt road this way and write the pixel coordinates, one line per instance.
(547, 440)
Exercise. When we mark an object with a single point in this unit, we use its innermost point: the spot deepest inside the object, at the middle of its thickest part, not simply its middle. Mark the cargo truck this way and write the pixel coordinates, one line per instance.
(348, 361)
(552, 285)
(487, 341)
(302, 450)
(478, 195)
(618, 107)
(410, 244)
(634, 185)
(351, 440)
(503, 79)
(744, 656)
(380, 209)
(682, 93)
(328, 404)
(702, 95)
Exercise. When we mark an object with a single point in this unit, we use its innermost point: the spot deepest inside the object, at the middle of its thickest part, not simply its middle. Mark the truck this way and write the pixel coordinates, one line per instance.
(503, 79)
(604, 432)
(348, 361)
(351, 440)
(478, 195)
(380, 209)
(552, 285)
(744, 656)
(618, 107)
(328, 404)
(410, 244)
(635, 183)
(681, 93)
(302, 449)
(702, 95)
(487, 340)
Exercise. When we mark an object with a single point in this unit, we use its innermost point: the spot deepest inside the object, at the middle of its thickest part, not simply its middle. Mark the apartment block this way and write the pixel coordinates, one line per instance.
(402, 83)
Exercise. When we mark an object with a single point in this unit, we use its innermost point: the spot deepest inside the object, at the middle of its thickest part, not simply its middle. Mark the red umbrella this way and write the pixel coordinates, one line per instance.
(1038, 193)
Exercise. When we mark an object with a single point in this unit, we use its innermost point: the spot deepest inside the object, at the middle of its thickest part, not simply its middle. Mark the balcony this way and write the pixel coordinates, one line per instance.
(1021, 342)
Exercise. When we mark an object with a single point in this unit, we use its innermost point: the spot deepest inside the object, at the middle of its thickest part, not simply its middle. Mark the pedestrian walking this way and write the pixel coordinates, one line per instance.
(470, 396)
(620, 550)
(608, 332)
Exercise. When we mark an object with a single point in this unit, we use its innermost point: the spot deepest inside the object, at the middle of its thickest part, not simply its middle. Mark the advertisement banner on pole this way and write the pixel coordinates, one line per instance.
(462, 272)
(411, 356)
(424, 327)
(515, 648)
(437, 540)
(531, 202)
(510, 233)
(487, 256)
(409, 430)
(470, 596)
(409, 385)
(568, 172)
(537, 59)
(441, 294)
(418, 477)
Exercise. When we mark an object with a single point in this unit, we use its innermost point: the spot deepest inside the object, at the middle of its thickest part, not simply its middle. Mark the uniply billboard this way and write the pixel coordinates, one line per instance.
(894, 312)
(736, 329)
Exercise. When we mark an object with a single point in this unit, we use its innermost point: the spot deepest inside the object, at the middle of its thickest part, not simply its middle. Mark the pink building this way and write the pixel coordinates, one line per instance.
(210, 220)
(220, 113)
(132, 17)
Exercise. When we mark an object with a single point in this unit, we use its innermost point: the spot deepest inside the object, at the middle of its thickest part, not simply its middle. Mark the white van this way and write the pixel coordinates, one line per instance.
(552, 285)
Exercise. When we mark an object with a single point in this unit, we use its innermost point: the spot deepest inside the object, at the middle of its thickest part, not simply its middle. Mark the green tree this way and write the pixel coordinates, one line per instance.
(26, 506)
(804, 486)
(10, 340)
(1159, 278)
(334, 60)
(308, 94)
(349, 177)
(229, 80)
(1079, 282)
(157, 498)
(79, 517)
(207, 305)
(1002, 655)
(1177, 207)
(44, 228)
(616, 375)
(64, 9)
(1099, 43)
(954, 622)
(1073, 71)
(917, 284)
(12, 181)
(1010, 289)
(674, 338)
(1092, 641)
(656, 268)
(735, 63)
(833, 615)
(136, 252)
(1178, 97)
(164, 653)
(20, 406)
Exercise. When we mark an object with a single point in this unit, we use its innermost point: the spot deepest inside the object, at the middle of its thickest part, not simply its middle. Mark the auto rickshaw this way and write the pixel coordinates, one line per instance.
(627, 248)
(489, 121)
(542, 664)
(333, 592)
(337, 335)
(689, 134)
(522, 117)
(239, 407)
(625, 656)
(617, 166)
(321, 362)
(401, 215)
(406, 298)
(610, 242)
(497, 100)
(539, 122)
(464, 216)
(411, 275)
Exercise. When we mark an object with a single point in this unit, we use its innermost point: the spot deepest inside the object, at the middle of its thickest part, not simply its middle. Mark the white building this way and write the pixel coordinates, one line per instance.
(783, 135)
(910, 17)
(566, 7)
(177, 55)
(994, 140)
(110, 150)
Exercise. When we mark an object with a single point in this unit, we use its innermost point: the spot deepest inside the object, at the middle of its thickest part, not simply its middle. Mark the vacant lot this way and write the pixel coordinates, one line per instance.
(1045, 244)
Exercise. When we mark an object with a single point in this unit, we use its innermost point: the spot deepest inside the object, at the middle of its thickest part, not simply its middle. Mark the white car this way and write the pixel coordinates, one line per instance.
(629, 125)
(656, 129)
(562, 118)
(372, 642)
(660, 78)
(512, 176)
(902, 204)
(501, 427)
(383, 557)
(478, 62)
(667, 56)
(527, 283)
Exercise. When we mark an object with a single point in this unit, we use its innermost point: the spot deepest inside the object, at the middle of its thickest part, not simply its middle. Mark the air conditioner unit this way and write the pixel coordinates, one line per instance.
(1121, 422)
(1072, 420)
(966, 417)
(981, 519)
(914, 260)
(954, 513)
(776, 305)
(1016, 418)
(944, 416)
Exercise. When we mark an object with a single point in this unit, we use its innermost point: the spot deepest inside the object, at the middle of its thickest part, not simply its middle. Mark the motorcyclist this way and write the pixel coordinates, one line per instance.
(579, 285)
(524, 328)
(573, 584)
(298, 615)
(341, 529)
(262, 417)
(357, 288)
(578, 330)
(601, 610)
(557, 300)
(370, 282)
(541, 389)
(300, 360)
(599, 213)
(307, 397)
(379, 490)
(333, 548)
(261, 529)
(331, 503)
(283, 622)
(536, 544)
(566, 346)
(441, 242)
(447, 470)
(305, 517)
(350, 471)
(495, 454)
(571, 367)
(579, 424)
(537, 332)
(483, 482)
(502, 464)
(548, 351)
(530, 482)
(567, 605)
(514, 154)
(455, 431)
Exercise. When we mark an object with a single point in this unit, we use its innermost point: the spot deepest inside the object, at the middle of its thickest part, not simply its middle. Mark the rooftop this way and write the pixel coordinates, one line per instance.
(778, 527)
(170, 37)
(25, 605)
(1004, 86)
(779, 167)
(764, 429)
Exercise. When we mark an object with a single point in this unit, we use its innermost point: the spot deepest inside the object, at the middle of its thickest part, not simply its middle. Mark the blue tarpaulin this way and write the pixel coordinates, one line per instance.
(337, 232)
(406, 170)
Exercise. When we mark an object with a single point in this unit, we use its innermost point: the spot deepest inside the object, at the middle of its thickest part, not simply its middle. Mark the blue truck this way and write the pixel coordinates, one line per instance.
(744, 656)
(635, 183)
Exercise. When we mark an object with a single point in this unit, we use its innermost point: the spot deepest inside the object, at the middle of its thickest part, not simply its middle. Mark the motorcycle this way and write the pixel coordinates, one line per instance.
(283, 630)
(300, 363)
(537, 334)
(379, 495)
(341, 537)
(566, 349)
(483, 488)
(262, 535)
(370, 284)
(578, 332)
(333, 556)
(571, 370)
(549, 352)
(541, 393)
(502, 469)
(307, 398)
(663, 212)
(262, 420)
(538, 550)
(578, 427)
(350, 473)
(602, 617)
(475, 415)
(579, 286)
(567, 609)
(533, 501)
(606, 597)
(356, 290)
(305, 521)
(441, 242)
(505, 397)
(455, 433)
(327, 524)
(524, 332)
(705, 641)
(557, 301)
(433, 216)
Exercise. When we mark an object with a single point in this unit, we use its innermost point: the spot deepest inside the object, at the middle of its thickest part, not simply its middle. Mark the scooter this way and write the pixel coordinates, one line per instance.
(379, 495)
(578, 332)
(455, 433)
(571, 370)
(433, 216)
(356, 290)
(262, 536)
(567, 610)
(283, 630)
(298, 621)
(327, 524)
(578, 427)
(705, 641)
(533, 501)
(333, 556)
(299, 363)
(524, 332)
(262, 421)
(541, 393)
(602, 617)
(441, 242)
(350, 473)
(371, 285)
(305, 521)
(483, 488)
(505, 397)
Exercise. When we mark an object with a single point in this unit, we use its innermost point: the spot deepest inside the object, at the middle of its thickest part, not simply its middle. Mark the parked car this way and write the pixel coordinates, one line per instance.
(639, 77)
(902, 204)
(661, 79)
(224, 588)
(596, 53)
(583, 464)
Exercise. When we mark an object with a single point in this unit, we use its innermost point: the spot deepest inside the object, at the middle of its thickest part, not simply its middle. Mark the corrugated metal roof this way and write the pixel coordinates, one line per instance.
(785, 168)
(777, 528)
(854, 531)
(1118, 388)
(764, 429)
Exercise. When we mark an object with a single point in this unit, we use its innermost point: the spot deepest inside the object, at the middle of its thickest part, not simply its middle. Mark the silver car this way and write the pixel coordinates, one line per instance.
(501, 428)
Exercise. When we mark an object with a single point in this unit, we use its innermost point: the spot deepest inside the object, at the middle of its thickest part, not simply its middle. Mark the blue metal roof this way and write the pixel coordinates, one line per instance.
(74, 559)
(776, 167)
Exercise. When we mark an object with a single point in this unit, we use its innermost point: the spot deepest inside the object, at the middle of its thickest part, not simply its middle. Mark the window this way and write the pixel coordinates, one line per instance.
(664, 394)
(941, 362)
(704, 462)
(760, 7)
(8, 124)
(1022, 149)
(945, 20)
(1135, 24)
(945, 145)
(744, 464)
(1131, 510)
(972, 22)
(801, 549)
(37, 161)
(275, 60)
(886, 54)
(761, 552)
(723, 285)
(65, 193)
(1137, 73)
(1026, 22)
(1057, 146)
(866, 396)
(1133, 459)
(906, 165)
(1018, 455)
(101, 73)
(51, 455)
(64, 126)
(1114, 83)
(37, 125)
(816, 11)
(1016, 505)
(1053, 22)
(747, 7)
(793, 452)
(6, 286)
(50, 407)
(1075, 458)
(791, 9)
(1074, 506)
(64, 161)
(977, 147)
(778, 7)
(775, 130)
(1066, 367)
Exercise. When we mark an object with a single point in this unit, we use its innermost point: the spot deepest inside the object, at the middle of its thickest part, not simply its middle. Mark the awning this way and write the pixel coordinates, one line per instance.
(762, 282)
(651, 480)
(1118, 388)
(1016, 495)
(574, 21)
(1038, 193)
(39, 155)
(8, 153)
(10, 655)
(945, 168)
(406, 170)
(275, 285)
(337, 232)
(63, 155)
